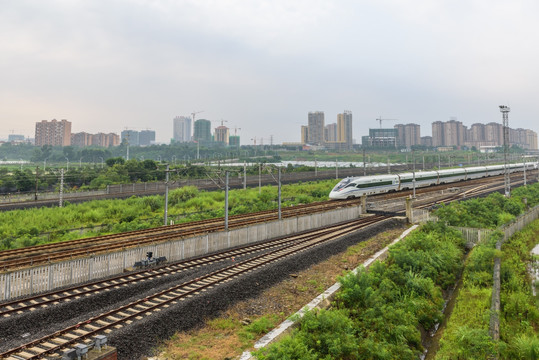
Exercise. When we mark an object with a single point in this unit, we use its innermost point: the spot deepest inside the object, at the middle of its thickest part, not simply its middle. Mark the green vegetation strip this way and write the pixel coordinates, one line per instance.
(382, 313)
(466, 335)
(29, 227)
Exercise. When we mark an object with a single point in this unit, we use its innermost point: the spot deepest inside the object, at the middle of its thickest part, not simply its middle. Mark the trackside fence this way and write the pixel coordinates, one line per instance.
(421, 216)
(509, 230)
(474, 236)
(38, 279)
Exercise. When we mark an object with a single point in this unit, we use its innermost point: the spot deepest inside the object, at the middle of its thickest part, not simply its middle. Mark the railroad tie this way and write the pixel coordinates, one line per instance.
(59, 340)
(25, 355)
(37, 350)
(49, 344)
(91, 327)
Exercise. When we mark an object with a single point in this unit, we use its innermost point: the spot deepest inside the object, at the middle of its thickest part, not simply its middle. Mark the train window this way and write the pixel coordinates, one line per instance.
(342, 184)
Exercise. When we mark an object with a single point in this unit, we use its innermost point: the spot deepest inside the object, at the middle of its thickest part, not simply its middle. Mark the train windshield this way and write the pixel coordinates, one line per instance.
(342, 184)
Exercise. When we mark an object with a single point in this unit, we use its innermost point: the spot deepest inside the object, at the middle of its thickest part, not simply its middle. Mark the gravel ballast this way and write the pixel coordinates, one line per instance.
(142, 337)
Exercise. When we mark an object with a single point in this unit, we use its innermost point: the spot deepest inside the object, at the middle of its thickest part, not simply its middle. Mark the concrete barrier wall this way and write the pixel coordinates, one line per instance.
(48, 277)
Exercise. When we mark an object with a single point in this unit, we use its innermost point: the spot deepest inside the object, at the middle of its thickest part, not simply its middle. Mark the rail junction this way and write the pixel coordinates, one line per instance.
(110, 306)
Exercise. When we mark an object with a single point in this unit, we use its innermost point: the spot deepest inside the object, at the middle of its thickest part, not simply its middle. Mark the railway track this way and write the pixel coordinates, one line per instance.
(17, 307)
(122, 316)
(40, 254)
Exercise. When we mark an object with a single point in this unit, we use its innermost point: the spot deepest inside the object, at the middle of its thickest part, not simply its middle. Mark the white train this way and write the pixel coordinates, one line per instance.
(354, 187)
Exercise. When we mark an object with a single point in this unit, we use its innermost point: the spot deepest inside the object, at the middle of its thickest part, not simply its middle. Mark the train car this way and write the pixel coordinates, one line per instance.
(476, 172)
(451, 175)
(353, 187)
(422, 178)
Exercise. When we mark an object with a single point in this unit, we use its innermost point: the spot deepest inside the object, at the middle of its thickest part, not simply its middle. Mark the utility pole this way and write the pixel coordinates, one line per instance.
(127, 143)
(35, 193)
(226, 201)
(413, 179)
(244, 175)
(505, 118)
(279, 197)
(259, 178)
(336, 169)
(166, 195)
(61, 187)
(524, 163)
(364, 165)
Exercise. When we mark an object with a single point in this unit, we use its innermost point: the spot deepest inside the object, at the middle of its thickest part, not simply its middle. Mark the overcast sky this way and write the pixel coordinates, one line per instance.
(263, 65)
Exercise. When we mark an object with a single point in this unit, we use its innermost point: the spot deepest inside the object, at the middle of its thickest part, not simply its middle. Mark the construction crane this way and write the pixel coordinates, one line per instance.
(220, 121)
(194, 113)
(236, 130)
(380, 120)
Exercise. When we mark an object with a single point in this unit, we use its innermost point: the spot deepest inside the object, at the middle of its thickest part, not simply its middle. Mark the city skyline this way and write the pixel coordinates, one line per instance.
(262, 65)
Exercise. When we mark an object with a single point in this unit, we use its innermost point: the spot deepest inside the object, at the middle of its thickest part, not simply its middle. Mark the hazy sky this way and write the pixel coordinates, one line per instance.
(263, 65)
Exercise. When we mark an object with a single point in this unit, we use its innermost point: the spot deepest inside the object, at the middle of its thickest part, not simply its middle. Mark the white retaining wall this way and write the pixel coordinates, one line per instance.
(48, 277)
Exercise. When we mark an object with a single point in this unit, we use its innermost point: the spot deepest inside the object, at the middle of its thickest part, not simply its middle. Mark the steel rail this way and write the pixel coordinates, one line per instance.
(78, 333)
(54, 297)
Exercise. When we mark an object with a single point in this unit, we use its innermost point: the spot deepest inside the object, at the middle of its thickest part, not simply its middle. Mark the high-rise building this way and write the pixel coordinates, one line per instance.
(131, 137)
(15, 138)
(531, 139)
(182, 129)
(221, 135)
(54, 132)
(454, 133)
(202, 131)
(449, 133)
(344, 129)
(381, 138)
(476, 133)
(408, 135)
(104, 140)
(494, 133)
(330, 132)
(81, 139)
(437, 133)
(100, 139)
(146, 137)
(234, 141)
(304, 134)
(426, 141)
(316, 128)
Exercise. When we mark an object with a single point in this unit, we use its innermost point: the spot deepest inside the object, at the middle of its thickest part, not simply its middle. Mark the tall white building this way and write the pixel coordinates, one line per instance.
(182, 129)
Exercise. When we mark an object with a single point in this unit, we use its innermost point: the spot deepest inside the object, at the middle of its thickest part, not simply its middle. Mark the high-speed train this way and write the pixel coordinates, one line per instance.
(353, 187)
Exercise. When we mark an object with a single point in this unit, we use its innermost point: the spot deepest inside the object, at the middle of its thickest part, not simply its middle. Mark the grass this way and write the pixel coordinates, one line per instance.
(22, 228)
